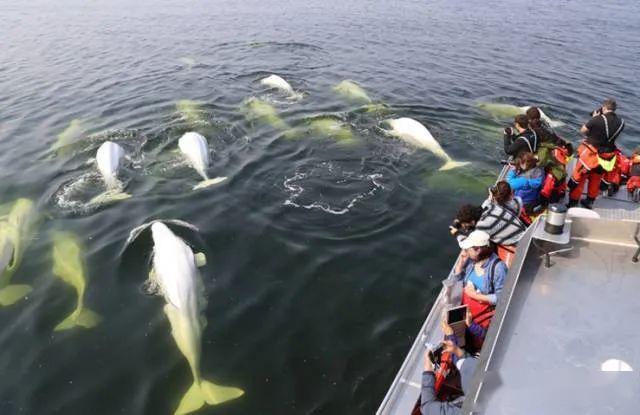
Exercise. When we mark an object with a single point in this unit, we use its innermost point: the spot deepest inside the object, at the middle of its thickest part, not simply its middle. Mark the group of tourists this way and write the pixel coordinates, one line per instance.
(488, 234)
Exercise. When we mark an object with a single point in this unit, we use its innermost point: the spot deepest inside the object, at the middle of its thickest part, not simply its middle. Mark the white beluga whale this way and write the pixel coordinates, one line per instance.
(68, 265)
(187, 61)
(277, 82)
(416, 134)
(175, 276)
(16, 232)
(109, 159)
(507, 111)
(352, 91)
(195, 149)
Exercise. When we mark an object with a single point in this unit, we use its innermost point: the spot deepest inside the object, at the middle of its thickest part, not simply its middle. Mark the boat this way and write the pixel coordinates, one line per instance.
(564, 332)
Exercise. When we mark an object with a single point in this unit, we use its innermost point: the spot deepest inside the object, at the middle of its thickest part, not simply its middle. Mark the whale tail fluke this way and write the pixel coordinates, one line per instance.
(13, 293)
(82, 317)
(451, 164)
(206, 392)
(209, 182)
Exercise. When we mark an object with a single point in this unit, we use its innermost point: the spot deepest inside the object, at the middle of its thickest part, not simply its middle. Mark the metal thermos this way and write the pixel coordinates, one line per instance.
(556, 215)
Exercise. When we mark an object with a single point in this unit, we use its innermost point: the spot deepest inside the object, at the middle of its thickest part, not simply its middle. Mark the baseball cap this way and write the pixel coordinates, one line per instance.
(475, 239)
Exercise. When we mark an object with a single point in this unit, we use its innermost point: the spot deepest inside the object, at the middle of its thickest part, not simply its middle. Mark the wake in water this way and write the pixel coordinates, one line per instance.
(329, 188)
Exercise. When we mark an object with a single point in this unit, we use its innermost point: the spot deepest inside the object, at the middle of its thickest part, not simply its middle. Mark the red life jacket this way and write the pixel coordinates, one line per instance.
(447, 379)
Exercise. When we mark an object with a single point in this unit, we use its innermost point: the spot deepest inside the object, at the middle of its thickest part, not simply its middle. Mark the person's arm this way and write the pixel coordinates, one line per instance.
(498, 282)
(471, 291)
(584, 130)
(429, 404)
(515, 146)
(459, 270)
(428, 401)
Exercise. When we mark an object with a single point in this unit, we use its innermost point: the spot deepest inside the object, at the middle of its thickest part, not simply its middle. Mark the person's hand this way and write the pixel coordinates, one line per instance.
(508, 131)
(453, 230)
(446, 328)
(428, 364)
(462, 261)
(453, 348)
(468, 319)
(470, 290)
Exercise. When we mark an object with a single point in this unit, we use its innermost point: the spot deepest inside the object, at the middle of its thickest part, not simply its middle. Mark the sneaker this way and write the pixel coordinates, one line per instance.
(587, 203)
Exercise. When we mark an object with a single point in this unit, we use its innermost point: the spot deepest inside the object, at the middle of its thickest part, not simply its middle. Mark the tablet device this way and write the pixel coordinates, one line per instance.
(456, 314)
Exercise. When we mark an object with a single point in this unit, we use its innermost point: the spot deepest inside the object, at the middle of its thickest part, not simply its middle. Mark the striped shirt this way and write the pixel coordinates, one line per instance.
(502, 222)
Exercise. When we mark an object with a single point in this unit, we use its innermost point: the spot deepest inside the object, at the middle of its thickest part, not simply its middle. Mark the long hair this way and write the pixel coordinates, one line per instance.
(501, 192)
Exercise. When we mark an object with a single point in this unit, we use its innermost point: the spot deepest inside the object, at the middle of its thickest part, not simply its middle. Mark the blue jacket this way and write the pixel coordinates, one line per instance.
(526, 185)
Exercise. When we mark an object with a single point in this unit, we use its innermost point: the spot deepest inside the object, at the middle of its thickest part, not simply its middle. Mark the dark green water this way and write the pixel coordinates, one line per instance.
(310, 311)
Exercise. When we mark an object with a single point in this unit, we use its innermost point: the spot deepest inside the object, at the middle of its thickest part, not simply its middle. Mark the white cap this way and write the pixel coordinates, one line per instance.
(475, 239)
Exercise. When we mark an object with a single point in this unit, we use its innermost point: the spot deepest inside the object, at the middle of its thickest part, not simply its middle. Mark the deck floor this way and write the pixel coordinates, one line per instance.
(564, 322)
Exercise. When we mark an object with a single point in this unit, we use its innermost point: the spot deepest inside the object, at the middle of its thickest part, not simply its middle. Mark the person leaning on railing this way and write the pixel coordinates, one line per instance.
(503, 218)
(523, 139)
(465, 221)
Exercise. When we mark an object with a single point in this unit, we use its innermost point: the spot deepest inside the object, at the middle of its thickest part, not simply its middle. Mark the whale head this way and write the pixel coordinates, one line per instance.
(109, 158)
(195, 149)
(175, 267)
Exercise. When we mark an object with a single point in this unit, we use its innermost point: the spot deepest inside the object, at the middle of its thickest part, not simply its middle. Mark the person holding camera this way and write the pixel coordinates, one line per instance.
(465, 365)
(465, 221)
(526, 140)
(596, 154)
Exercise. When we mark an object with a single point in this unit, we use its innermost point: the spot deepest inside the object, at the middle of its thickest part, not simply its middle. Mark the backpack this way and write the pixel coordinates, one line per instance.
(550, 164)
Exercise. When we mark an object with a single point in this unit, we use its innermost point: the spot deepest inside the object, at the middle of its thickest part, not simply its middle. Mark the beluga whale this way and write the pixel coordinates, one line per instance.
(175, 276)
(416, 134)
(109, 159)
(68, 266)
(352, 91)
(193, 113)
(277, 82)
(508, 111)
(16, 232)
(195, 149)
(69, 136)
(256, 109)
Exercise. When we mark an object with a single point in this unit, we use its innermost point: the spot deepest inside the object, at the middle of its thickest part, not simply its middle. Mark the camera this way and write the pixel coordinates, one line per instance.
(508, 131)
(436, 354)
(597, 112)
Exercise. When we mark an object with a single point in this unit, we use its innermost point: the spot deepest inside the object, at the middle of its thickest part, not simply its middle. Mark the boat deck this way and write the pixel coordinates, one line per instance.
(556, 331)
(566, 331)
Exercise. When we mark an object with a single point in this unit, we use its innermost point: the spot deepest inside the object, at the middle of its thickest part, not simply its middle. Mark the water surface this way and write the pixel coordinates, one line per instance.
(324, 256)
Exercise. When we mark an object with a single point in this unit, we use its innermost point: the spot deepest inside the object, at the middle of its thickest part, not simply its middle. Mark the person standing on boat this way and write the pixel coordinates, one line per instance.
(482, 274)
(596, 154)
(525, 140)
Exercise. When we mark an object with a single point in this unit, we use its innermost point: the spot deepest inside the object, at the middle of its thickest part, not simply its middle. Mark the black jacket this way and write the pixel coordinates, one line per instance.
(527, 141)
